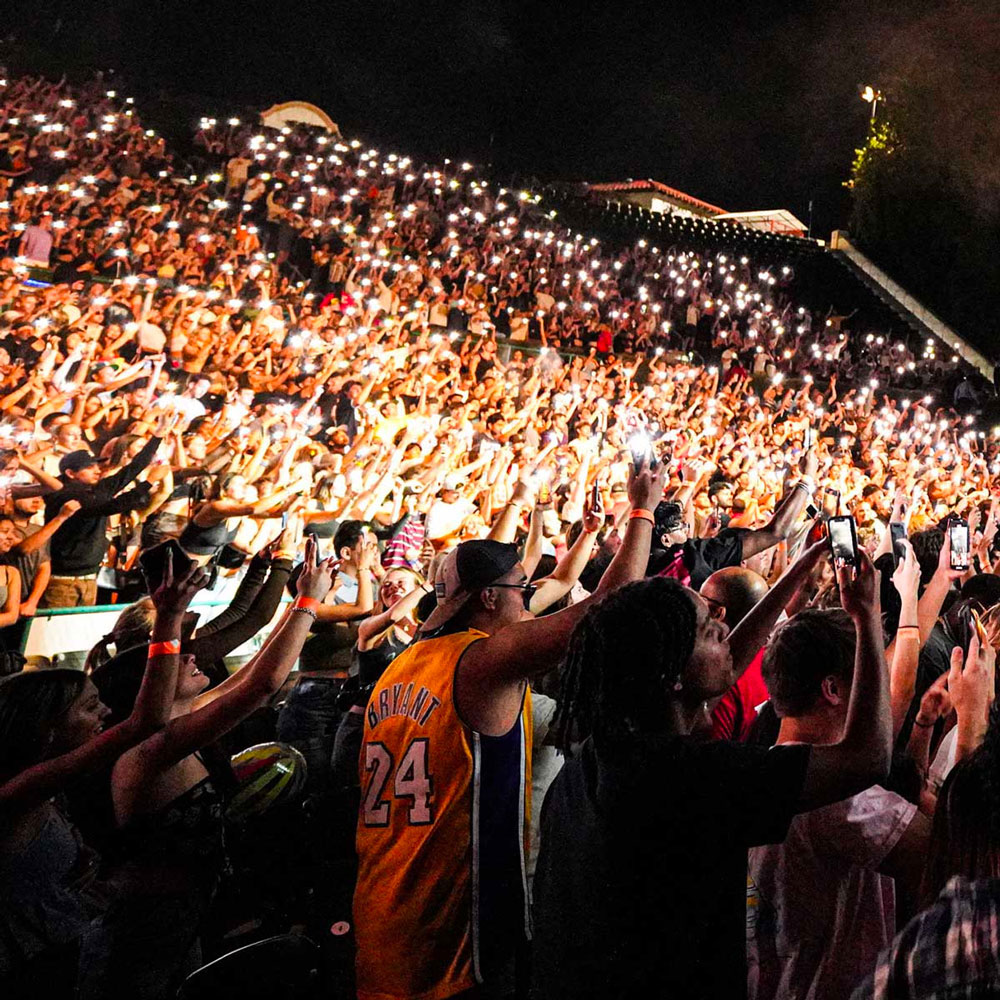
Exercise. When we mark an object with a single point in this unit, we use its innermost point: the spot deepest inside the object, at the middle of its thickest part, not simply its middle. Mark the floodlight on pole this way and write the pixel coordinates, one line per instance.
(872, 96)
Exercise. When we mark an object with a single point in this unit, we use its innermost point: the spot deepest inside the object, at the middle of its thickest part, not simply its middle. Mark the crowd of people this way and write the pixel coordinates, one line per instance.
(554, 676)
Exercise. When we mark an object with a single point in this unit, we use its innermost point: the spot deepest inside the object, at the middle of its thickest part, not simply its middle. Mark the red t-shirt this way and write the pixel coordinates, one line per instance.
(737, 709)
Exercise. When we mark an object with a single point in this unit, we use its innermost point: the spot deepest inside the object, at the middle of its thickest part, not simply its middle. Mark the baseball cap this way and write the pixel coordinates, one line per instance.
(469, 567)
(77, 460)
(453, 481)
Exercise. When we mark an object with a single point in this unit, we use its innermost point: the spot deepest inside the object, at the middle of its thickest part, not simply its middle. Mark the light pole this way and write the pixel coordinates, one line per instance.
(872, 96)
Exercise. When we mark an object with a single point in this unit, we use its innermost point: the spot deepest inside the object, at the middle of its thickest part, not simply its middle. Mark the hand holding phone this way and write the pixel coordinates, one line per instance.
(958, 536)
(831, 502)
(897, 531)
(843, 540)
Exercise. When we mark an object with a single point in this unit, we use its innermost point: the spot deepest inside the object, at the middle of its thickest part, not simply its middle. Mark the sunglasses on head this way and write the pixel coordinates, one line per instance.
(527, 590)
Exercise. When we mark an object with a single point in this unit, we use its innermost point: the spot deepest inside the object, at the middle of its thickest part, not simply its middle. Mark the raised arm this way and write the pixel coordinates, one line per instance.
(905, 647)
(36, 540)
(861, 757)
(220, 710)
(933, 597)
(535, 645)
(373, 626)
(972, 688)
(750, 636)
(151, 711)
(365, 600)
(785, 518)
(564, 577)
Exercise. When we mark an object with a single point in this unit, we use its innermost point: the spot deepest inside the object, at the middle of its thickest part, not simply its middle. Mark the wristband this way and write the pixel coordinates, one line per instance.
(924, 725)
(907, 628)
(645, 515)
(170, 647)
(302, 603)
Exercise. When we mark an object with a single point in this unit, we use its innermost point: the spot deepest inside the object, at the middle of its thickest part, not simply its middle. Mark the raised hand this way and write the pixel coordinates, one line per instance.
(935, 704)
(593, 515)
(972, 687)
(316, 577)
(645, 484)
(174, 594)
(906, 578)
(859, 595)
(944, 561)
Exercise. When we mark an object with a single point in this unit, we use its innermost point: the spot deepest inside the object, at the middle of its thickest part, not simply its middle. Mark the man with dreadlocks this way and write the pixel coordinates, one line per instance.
(640, 885)
(441, 906)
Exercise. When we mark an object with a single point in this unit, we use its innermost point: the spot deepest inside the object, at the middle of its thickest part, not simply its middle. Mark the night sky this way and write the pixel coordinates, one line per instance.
(751, 109)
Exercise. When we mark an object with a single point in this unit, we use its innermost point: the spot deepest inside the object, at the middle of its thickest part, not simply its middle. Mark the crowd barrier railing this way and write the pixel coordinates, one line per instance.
(64, 636)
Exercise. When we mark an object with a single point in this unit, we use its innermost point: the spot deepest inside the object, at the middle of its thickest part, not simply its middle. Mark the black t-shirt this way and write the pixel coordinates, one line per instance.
(702, 556)
(640, 889)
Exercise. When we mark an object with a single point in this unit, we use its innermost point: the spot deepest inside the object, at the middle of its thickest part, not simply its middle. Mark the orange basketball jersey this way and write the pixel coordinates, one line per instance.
(441, 899)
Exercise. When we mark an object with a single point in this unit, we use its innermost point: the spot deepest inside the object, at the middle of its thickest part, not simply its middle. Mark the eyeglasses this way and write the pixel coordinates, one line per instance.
(527, 590)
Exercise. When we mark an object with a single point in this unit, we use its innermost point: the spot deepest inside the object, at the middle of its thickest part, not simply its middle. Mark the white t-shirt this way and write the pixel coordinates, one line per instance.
(187, 406)
(818, 912)
(445, 519)
(546, 763)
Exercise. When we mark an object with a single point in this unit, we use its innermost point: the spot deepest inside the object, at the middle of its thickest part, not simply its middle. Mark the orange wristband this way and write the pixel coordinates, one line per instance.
(309, 603)
(170, 647)
(646, 515)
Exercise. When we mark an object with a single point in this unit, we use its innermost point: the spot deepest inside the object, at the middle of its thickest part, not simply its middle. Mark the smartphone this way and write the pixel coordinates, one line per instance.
(843, 540)
(641, 449)
(153, 563)
(958, 535)
(897, 531)
(812, 511)
(807, 439)
(544, 494)
(595, 497)
(831, 502)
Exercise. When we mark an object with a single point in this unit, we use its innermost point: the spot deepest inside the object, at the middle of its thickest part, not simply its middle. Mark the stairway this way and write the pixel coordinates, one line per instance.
(912, 312)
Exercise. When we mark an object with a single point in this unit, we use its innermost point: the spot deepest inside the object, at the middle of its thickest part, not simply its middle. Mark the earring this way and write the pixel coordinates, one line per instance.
(678, 686)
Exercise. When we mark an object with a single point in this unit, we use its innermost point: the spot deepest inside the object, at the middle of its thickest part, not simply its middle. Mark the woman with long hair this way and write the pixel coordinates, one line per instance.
(167, 799)
(52, 733)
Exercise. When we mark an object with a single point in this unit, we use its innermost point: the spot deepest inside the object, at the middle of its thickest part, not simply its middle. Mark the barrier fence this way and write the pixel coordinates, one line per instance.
(64, 636)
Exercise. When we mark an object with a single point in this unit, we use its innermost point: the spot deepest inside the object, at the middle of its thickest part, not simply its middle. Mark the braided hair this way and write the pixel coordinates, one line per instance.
(623, 655)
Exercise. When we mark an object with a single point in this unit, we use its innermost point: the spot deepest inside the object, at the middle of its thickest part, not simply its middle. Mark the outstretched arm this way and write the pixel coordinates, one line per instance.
(229, 704)
(861, 757)
(535, 645)
(37, 784)
(750, 636)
